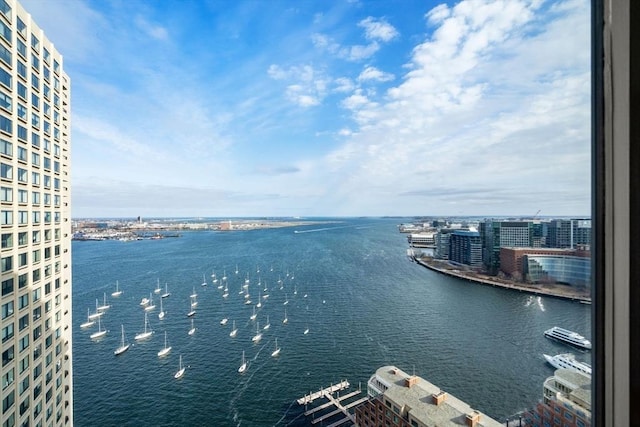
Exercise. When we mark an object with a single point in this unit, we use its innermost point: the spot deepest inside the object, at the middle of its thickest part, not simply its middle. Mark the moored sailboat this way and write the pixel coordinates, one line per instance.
(166, 349)
(123, 347)
(147, 330)
(243, 364)
(181, 370)
(100, 333)
(276, 352)
(117, 292)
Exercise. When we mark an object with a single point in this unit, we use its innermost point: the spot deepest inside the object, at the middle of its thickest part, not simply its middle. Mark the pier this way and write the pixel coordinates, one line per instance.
(334, 405)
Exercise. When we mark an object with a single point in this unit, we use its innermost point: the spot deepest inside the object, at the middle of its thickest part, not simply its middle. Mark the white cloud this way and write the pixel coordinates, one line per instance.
(378, 29)
(155, 31)
(373, 74)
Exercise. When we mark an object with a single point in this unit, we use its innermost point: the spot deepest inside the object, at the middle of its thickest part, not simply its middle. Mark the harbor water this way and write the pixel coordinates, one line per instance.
(348, 282)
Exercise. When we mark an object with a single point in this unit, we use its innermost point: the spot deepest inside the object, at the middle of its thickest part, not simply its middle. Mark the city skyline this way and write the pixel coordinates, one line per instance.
(347, 109)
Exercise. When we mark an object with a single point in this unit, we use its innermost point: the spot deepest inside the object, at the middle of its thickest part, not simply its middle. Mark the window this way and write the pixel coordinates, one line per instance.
(8, 378)
(23, 196)
(22, 238)
(22, 48)
(5, 9)
(6, 194)
(7, 333)
(22, 111)
(35, 81)
(22, 91)
(35, 199)
(5, 78)
(22, 259)
(6, 171)
(6, 148)
(22, 175)
(7, 265)
(7, 309)
(23, 217)
(6, 217)
(35, 43)
(35, 178)
(22, 153)
(7, 356)
(7, 240)
(5, 101)
(5, 54)
(35, 101)
(22, 133)
(35, 159)
(21, 27)
(6, 125)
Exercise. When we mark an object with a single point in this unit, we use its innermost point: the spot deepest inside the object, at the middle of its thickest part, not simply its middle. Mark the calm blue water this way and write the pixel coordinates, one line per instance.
(367, 306)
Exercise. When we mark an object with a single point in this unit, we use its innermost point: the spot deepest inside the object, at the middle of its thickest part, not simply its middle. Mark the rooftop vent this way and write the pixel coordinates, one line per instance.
(473, 419)
(439, 397)
(411, 381)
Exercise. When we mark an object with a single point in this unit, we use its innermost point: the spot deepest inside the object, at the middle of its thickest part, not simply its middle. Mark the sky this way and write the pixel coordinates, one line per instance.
(227, 108)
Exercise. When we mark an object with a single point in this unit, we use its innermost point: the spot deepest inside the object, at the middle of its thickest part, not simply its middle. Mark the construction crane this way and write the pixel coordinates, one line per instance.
(534, 217)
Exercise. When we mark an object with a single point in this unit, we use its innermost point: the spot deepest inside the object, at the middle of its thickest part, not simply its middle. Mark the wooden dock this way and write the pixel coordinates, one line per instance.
(334, 405)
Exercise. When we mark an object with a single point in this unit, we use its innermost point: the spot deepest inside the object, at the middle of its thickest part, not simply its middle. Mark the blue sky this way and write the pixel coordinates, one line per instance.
(308, 108)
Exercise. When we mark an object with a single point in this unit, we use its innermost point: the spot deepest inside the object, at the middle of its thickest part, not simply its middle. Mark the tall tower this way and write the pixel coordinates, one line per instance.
(35, 210)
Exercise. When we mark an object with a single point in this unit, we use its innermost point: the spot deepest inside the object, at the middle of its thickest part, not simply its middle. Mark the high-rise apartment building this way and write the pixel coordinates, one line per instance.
(35, 226)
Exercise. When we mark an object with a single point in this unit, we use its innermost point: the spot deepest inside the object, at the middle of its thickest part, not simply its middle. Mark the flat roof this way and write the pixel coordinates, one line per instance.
(417, 400)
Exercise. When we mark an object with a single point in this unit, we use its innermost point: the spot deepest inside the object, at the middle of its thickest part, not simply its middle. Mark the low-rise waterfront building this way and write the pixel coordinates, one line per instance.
(424, 239)
(403, 400)
(568, 266)
(566, 401)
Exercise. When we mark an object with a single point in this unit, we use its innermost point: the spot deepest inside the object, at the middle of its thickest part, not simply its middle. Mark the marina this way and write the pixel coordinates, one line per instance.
(329, 285)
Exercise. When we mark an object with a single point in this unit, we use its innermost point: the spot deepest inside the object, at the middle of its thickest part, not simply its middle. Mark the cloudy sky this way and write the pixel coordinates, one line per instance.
(311, 108)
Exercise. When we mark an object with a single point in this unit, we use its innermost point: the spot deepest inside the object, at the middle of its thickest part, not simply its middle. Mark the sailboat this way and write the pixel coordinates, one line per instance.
(166, 291)
(150, 306)
(204, 281)
(194, 294)
(286, 299)
(253, 316)
(295, 290)
(259, 301)
(123, 347)
(286, 319)
(165, 350)
(214, 279)
(104, 305)
(268, 325)
(147, 331)
(157, 290)
(181, 370)
(224, 274)
(161, 314)
(224, 321)
(243, 365)
(193, 328)
(97, 314)
(192, 311)
(234, 330)
(194, 302)
(117, 292)
(236, 268)
(258, 336)
(89, 322)
(276, 352)
(100, 333)
(306, 331)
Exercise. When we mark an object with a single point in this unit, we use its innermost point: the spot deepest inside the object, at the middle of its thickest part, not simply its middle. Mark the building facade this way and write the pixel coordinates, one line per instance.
(465, 247)
(497, 234)
(35, 225)
(568, 266)
(403, 400)
(568, 233)
(566, 401)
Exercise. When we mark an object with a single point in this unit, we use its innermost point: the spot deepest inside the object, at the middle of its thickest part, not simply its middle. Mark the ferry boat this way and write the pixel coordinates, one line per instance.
(568, 337)
(568, 361)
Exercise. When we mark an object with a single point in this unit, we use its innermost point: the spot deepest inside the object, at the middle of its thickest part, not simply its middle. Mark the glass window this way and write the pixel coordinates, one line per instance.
(6, 125)
(35, 81)
(7, 309)
(5, 78)
(5, 9)
(22, 49)
(6, 171)
(6, 194)
(22, 175)
(22, 133)
(5, 54)
(35, 101)
(35, 121)
(6, 217)
(56, 66)
(7, 265)
(22, 238)
(7, 356)
(7, 240)
(23, 196)
(35, 159)
(22, 91)
(7, 332)
(35, 139)
(46, 73)
(5, 101)
(22, 28)
(22, 153)
(22, 259)
(23, 217)
(35, 43)
(22, 111)
(36, 217)
(6, 147)
(7, 286)
(35, 178)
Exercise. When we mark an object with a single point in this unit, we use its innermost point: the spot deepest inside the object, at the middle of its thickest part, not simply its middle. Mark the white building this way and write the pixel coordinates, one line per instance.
(35, 225)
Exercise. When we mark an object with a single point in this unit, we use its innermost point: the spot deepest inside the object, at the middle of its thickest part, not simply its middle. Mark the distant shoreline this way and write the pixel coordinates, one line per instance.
(556, 291)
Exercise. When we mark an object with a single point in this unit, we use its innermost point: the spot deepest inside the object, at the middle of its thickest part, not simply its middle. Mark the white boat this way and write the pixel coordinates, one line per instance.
(568, 361)
(97, 314)
(158, 289)
(224, 275)
(166, 292)
(166, 349)
(104, 305)
(123, 347)
(268, 325)
(117, 292)
(254, 315)
(100, 333)
(276, 352)
(89, 321)
(234, 330)
(295, 290)
(194, 294)
(194, 302)
(193, 328)
(236, 268)
(243, 365)
(161, 314)
(306, 331)
(246, 280)
(147, 331)
(258, 336)
(181, 370)
(286, 319)
(568, 337)
(204, 280)
(224, 321)
(144, 301)
(286, 299)
(150, 306)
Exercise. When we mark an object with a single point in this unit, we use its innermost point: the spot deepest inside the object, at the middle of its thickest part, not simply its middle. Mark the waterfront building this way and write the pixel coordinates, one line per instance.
(442, 243)
(567, 233)
(566, 401)
(403, 400)
(568, 266)
(37, 380)
(465, 247)
(425, 239)
(498, 234)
